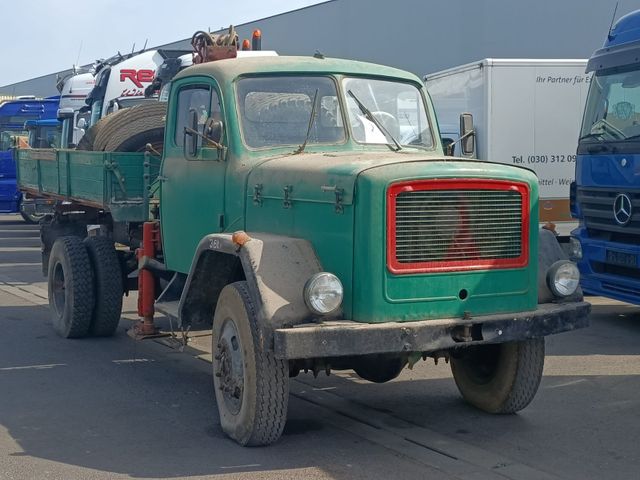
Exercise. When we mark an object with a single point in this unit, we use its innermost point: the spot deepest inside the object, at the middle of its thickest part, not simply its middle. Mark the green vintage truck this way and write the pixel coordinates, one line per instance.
(303, 207)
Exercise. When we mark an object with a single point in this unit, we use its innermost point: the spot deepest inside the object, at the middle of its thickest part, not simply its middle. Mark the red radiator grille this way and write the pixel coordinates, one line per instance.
(456, 225)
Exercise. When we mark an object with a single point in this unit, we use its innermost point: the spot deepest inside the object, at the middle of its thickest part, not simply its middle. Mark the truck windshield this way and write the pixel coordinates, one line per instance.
(276, 111)
(612, 112)
(44, 137)
(399, 107)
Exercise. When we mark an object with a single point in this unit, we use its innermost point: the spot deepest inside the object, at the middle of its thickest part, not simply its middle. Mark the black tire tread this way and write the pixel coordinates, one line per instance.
(515, 382)
(127, 122)
(264, 424)
(78, 277)
(273, 383)
(108, 286)
(527, 380)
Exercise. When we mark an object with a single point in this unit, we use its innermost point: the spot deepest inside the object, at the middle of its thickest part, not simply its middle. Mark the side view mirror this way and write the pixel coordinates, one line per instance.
(191, 136)
(467, 136)
(213, 131)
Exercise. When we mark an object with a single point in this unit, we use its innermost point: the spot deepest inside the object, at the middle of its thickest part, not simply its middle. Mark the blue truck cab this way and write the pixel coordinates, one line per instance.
(605, 196)
(13, 115)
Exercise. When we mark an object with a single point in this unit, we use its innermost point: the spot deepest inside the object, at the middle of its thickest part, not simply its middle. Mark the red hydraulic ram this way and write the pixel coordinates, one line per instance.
(146, 280)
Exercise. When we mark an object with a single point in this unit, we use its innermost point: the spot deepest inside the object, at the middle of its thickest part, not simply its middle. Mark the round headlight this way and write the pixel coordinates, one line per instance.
(563, 278)
(323, 293)
(575, 249)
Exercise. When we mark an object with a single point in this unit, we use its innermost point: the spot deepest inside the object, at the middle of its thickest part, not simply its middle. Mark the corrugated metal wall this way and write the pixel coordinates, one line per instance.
(423, 36)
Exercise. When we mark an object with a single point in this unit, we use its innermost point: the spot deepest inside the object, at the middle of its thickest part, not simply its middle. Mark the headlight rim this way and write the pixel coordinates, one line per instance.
(552, 273)
(306, 293)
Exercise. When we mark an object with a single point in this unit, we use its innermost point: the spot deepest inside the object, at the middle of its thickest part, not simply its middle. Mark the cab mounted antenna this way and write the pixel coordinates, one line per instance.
(133, 48)
(612, 20)
(145, 44)
(78, 57)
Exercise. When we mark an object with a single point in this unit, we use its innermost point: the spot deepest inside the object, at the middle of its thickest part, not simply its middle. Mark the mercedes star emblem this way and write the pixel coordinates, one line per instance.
(622, 209)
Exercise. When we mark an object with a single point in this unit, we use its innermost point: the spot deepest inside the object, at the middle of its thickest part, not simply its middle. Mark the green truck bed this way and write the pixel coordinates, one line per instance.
(117, 182)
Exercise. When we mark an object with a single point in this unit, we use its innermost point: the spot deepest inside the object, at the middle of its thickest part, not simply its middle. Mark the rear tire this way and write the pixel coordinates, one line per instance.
(251, 385)
(108, 286)
(500, 378)
(71, 289)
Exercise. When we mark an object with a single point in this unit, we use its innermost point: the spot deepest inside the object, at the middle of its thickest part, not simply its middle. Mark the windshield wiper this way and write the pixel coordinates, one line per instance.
(367, 113)
(312, 119)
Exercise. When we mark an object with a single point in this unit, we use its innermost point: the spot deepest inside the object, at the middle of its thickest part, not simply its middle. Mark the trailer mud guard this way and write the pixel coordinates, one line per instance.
(274, 267)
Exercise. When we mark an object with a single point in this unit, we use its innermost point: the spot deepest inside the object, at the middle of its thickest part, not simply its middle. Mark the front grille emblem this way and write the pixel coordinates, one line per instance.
(622, 209)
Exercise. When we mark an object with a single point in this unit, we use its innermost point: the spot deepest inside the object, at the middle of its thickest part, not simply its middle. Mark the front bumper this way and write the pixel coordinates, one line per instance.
(347, 338)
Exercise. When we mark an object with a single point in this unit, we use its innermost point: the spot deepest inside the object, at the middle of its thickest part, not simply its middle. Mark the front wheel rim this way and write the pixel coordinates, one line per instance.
(230, 366)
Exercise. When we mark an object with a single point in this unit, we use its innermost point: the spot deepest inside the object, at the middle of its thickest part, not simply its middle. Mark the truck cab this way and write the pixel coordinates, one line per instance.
(606, 194)
(13, 115)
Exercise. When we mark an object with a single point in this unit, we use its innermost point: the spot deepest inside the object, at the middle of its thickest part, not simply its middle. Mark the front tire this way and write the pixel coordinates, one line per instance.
(500, 378)
(70, 282)
(251, 385)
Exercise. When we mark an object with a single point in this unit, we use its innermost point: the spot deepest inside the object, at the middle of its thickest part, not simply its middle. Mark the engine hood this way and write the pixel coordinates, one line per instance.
(317, 176)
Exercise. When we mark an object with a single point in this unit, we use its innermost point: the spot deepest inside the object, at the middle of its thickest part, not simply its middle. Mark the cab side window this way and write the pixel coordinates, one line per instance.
(199, 98)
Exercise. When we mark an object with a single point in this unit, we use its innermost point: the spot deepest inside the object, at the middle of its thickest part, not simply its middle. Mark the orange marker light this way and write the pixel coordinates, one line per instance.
(256, 40)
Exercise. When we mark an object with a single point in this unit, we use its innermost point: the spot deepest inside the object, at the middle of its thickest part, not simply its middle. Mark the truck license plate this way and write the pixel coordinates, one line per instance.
(621, 258)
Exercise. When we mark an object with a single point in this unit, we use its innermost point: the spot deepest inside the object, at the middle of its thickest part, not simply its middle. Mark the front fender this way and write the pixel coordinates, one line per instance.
(274, 267)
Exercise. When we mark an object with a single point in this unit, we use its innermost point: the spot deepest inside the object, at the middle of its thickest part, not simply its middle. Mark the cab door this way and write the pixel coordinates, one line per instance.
(192, 177)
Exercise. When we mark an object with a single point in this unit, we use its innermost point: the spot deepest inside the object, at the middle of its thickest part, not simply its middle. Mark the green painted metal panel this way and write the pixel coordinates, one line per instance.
(115, 181)
(380, 295)
(192, 191)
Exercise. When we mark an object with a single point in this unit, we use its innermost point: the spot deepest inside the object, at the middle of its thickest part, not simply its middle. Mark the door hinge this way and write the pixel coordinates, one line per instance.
(257, 194)
(339, 193)
(286, 202)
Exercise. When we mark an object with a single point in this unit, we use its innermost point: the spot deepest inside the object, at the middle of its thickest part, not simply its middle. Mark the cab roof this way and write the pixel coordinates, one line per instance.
(226, 71)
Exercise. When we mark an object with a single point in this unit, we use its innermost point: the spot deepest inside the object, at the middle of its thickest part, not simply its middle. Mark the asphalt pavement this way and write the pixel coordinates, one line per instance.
(121, 408)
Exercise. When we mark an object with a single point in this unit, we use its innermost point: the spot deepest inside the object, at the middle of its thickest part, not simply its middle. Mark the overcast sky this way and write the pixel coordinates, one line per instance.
(38, 37)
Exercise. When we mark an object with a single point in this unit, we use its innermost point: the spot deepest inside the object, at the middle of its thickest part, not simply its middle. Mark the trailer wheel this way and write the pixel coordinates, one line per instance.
(379, 368)
(251, 385)
(70, 279)
(500, 378)
(131, 130)
(108, 286)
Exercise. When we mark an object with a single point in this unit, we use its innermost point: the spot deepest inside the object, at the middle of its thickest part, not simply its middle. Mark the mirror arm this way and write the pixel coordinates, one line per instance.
(191, 131)
(468, 134)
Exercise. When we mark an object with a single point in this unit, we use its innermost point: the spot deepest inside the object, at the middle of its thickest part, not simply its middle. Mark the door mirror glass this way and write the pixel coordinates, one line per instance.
(467, 136)
(213, 131)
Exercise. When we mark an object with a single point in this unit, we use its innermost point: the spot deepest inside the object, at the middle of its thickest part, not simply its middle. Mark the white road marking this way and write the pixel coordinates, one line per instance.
(34, 367)
(133, 360)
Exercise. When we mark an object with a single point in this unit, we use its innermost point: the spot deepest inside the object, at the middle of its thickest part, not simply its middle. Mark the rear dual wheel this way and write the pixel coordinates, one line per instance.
(85, 287)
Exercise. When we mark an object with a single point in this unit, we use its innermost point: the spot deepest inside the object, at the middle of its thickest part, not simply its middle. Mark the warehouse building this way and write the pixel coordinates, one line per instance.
(421, 36)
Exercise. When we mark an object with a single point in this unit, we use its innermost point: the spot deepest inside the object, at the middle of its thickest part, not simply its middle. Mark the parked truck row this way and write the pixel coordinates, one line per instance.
(304, 209)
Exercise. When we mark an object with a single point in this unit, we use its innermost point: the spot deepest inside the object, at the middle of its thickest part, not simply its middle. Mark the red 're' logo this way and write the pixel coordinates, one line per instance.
(138, 77)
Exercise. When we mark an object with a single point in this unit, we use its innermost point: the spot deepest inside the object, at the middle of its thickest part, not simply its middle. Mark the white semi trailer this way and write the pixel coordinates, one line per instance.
(525, 112)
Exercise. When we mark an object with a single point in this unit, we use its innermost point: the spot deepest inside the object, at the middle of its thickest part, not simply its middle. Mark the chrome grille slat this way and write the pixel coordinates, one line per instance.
(457, 225)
